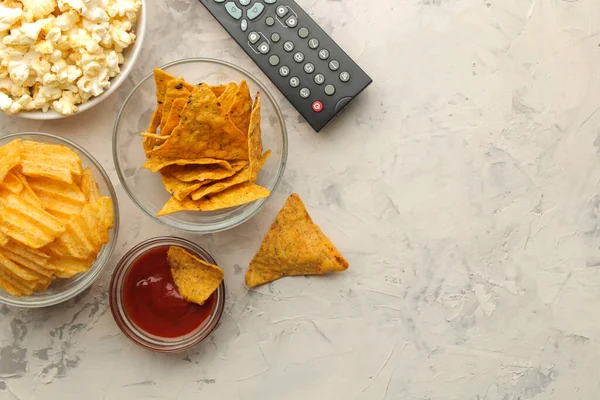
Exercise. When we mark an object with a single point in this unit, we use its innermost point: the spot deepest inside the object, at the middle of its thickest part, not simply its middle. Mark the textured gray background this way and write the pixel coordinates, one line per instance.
(463, 187)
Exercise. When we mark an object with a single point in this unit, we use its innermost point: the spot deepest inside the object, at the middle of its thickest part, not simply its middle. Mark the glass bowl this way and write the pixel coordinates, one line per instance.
(138, 335)
(64, 289)
(145, 187)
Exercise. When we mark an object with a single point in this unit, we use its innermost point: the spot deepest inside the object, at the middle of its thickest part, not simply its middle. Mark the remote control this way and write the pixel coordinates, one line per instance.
(307, 66)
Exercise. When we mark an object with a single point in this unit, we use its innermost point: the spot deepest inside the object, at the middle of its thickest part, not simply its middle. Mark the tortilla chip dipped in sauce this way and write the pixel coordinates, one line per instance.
(153, 302)
(294, 246)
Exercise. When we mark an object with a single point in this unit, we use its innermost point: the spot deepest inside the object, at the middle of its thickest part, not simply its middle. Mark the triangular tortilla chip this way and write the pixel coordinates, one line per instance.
(155, 164)
(240, 177)
(174, 116)
(176, 89)
(218, 90)
(293, 246)
(149, 142)
(241, 108)
(255, 147)
(204, 131)
(190, 173)
(178, 189)
(227, 98)
(232, 197)
(195, 279)
(161, 79)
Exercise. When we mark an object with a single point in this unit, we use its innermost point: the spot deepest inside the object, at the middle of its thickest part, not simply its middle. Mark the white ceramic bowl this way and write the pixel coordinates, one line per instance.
(130, 54)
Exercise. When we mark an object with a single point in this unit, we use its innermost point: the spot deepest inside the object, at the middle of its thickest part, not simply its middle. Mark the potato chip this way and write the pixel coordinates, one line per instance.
(240, 111)
(11, 289)
(60, 199)
(65, 267)
(14, 286)
(10, 157)
(174, 117)
(8, 265)
(51, 159)
(40, 282)
(226, 99)
(218, 90)
(204, 131)
(3, 239)
(195, 279)
(104, 208)
(155, 164)
(27, 194)
(178, 189)
(89, 187)
(255, 147)
(28, 263)
(231, 197)
(12, 183)
(192, 173)
(176, 89)
(27, 223)
(219, 186)
(293, 246)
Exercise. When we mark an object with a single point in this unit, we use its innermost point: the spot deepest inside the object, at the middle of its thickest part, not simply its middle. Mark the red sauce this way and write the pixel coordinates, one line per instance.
(152, 301)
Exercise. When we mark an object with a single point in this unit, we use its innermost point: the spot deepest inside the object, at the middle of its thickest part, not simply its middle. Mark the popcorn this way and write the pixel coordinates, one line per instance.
(60, 53)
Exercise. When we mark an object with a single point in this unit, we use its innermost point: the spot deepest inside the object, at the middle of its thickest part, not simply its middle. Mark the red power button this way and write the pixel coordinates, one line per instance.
(317, 106)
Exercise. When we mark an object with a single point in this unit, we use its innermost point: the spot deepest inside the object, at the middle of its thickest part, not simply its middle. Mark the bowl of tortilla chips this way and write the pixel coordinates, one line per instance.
(199, 145)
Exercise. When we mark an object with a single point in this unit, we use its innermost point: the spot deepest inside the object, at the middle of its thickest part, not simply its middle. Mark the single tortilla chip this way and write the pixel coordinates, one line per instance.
(155, 164)
(218, 90)
(89, 187)
(176, 89)
(226, 99)
(195, 279)
(174, 117)
(192, 173)
(219, 186)
(240, 111)
(161, 79)
(255, 147)
(153, 136)
(10, 157)
(178, 189)
(149, 142)
(293, 246)
(231, 197)
(204, 131)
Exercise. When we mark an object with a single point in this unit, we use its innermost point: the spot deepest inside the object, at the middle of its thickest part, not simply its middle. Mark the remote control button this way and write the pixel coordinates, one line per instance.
(281, 11)
(329, 90)
(233, 10)
(303, 33)
(275, 37)
(219, 1)
(313, 43)
(270, 21)
(244, 2)
(270, 1)
(304, 93)
(253, 37)
(264, 47)
(345, 76)
(294, 82)
(317, 106)
(323, 54)
(299, 57)
(319, 79)
(255, 11)
(334, 65)
(291, 21)
(309, 68)
(244, 25)
(273, 60)
(284, 71)
(288, 46)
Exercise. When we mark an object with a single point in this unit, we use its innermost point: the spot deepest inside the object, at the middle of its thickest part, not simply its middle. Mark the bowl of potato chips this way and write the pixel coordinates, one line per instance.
(199, 145)
(58, 219)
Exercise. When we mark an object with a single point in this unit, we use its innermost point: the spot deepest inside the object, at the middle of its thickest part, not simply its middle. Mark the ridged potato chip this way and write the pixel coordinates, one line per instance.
(12, 183)
(60, 199)
(66, 267)
(89, 187)
(50, 161)
(10, 157)
(32, 263)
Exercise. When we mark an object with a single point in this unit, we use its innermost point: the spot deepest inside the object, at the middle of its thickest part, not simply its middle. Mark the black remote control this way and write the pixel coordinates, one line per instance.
(309, 68)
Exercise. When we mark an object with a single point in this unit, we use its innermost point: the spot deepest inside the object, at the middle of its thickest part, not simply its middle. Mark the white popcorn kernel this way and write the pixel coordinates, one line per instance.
(39, 8)
(8, 17)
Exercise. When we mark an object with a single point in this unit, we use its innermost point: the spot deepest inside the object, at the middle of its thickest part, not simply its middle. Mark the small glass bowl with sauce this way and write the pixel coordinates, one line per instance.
(147, 306)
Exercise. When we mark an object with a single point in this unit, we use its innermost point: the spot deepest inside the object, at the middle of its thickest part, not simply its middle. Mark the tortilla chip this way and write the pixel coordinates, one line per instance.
(255, 147)
(155, 136)
(195, 279)
(293, 246)
(231, 197)
(178, 189)
(218, 90)
(10, 157)
(161, 79)
(155, 164)
(176, 89)
(191, 173)
(239, 113)
(174, 117)
(226, 99)
(204, 131)
(240, 177)
(149, 142)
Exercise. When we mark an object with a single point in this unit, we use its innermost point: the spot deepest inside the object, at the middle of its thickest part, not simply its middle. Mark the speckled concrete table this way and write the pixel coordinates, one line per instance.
(463, 186)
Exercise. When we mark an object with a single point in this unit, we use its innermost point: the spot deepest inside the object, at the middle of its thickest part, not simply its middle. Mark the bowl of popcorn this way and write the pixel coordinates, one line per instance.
(62, 57)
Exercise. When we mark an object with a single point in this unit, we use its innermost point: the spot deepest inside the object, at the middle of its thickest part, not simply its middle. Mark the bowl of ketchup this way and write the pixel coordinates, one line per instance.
(147, 306)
